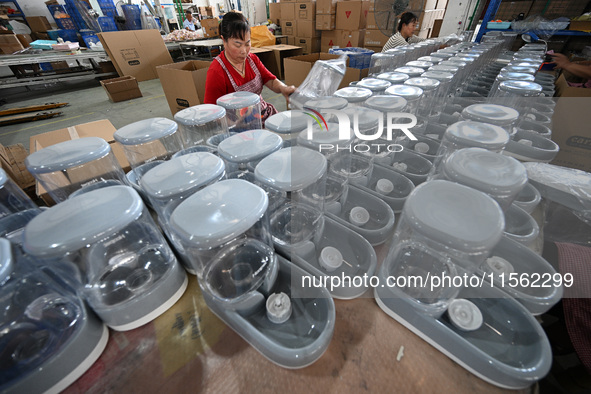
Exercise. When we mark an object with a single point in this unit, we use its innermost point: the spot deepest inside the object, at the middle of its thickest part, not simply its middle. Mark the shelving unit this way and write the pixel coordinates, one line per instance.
(19, 15)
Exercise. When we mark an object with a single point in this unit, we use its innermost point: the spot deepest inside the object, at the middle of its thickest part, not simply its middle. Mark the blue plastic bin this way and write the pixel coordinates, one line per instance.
(107, 23)
(133, 18)
(90, 39)
(358, 57)
(61, 17)
(68, 35)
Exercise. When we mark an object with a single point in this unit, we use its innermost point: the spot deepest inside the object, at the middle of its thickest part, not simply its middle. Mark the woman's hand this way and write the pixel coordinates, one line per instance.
(287, 90)
(560, 60)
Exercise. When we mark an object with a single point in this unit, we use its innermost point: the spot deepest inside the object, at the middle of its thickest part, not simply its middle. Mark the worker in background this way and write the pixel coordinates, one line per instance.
(190, 23)
(406, 27)
(577, 69)
(236, 69)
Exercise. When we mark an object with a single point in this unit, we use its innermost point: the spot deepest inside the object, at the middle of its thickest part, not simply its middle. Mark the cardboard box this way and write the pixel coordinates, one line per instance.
(25, 40)
(266, 56)
(307, 28)
(351, 15)
(580, 25)
(309, 45)
(183, 83)
(326, 6)
(325, 21)
(100, 128)
(508, 10)
(287, 12)
(570, 128)
(289, 27)
(38, 24)
(376, 49)
(122, 88)
(350, 39)
(298, 67)
(381, 20)
(275, 12)
(329, 39)
(9, 43)
(375, 38)
(281, 52)
(12, 160)
(306, 11)
(206, 11)
(564, 90)
(136, 52)
(211, 27)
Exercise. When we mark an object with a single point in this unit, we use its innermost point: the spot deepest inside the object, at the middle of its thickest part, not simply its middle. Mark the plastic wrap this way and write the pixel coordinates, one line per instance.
(543, 28)
(322, 80)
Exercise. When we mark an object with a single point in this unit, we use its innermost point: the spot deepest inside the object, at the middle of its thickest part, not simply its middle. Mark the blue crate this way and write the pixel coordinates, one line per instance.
(107, 23)
(133, 19)
(358, 57)
(61, 17)
(73, 11)
(108, 7)
(45, 66)
(68, 35)
(88, 39)
(53, 34)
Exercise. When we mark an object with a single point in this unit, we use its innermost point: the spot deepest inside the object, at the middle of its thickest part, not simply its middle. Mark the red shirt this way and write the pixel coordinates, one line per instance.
(218, 84)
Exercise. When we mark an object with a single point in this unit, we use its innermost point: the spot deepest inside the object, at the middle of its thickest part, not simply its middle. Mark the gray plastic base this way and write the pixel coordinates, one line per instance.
(299, 341)
(402, 187)
(417, 167)
(520, 226)
(75, 358)
(359, 258)
(509, 350)
(541, 149)
(381, 223)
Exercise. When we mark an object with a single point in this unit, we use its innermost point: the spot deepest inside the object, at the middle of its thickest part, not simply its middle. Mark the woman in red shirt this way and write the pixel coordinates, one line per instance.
(236, 69)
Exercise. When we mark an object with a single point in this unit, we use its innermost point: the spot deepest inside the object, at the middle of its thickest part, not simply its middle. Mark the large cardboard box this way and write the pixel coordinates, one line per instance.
(375, 38)
(580, 25)
(12, 160)
(564, 90)
(183, 83)
(570, 129)
(326, 6)
(287, 12)
(136, 52)
(211, 27)
(38, 23)
(350, 39)
(9, 43)
(309, 45)
(289, 27)
(122, 88)
(298, 67)
(266, 56)
(325, 21)
(384, 20)
(100, 128)
(305, 11)
(329, 39)
(307, 28)
(376, 49)
(351, 15)
(275, 12)
(281, 52)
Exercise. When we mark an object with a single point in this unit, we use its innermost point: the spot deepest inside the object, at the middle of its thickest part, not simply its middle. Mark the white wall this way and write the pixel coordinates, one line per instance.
(457, 16)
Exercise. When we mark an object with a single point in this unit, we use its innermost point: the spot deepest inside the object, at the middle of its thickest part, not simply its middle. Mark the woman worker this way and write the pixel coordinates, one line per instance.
(236, 69)
(405, 36)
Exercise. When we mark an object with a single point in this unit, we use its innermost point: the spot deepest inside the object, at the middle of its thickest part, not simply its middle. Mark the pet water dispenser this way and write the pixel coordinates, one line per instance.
(243, 111)
(200, 123)
(288, 125)
(393, 77)
(130, 274)
(68, 166)
(354, 95)
(322, 80)
(224, 229)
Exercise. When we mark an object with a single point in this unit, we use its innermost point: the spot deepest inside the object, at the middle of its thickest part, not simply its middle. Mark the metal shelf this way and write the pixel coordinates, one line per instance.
(20, 14)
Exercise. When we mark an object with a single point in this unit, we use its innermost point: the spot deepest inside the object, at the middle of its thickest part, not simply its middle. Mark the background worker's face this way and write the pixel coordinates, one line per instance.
(189, 17)
(408, 29)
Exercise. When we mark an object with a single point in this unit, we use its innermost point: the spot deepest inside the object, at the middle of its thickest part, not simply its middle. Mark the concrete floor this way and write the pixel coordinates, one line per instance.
(89, 102)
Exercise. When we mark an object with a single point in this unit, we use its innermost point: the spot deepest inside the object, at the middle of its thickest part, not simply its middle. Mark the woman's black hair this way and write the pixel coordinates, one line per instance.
(234, 25)
(406, 18)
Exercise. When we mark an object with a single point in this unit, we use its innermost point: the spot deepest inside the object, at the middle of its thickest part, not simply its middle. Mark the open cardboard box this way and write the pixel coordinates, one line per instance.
(183, 83)
(298, 67)
(121, 88)
(281, 52)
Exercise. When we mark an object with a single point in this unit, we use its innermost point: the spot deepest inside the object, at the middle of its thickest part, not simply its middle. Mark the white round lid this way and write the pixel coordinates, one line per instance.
(287, 122)
(410, 93)
(238, 100)
(385, 186)
(82, 220)
(444, 68)
(374, 84)
(393, 77)
(249, 146)
(522, 88)
(410, 71)
(520, 69)
(218, 213)
(145, 131)
(455, 215)
(489, 172)
(490, 113)
(200, 114)
(465, 59)
(477, 134)
(326, 102)
(278, 308)
(454, 62)
(354, 94)
(291, 169)
(441, 55)
(515, 76)
(386, 103)
(430, 59)
(182, 173)
(521, 63)
(427, 84)
(438, 75)
(67, 154)
(419, 63)
(359, 216)
(330, 258)
(366, 117)
(464, 314)
(324, 134)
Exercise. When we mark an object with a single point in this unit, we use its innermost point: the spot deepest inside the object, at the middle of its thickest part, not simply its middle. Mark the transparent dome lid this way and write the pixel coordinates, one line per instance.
(326, 102)
(430, 59)
(489, 172)
(438, 75)
(477, 134)
(490, 113)
(354, 94)
(83, 220)
(410, 71)
(335, 65)
(325, 134)
(249, 146)
(419, 63)
(219, 213)
(427, 84)
(238, 100)
(374, 84)
(521, 63)
(291, 169)
(200, 114)
(520, 69)
(387, 103)
(182, 173)
(514, 76)
(67, 154)
(393, 77)
(522, 88)
(287, 122)
(6, 260)
(448, 69)
(441, 55)
(465, 59)
(145, 131)
(453, 62)
(455, 215)
(366, 117)
(410, 93)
